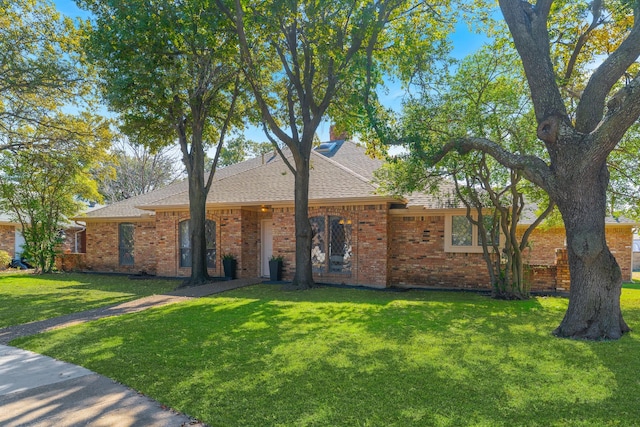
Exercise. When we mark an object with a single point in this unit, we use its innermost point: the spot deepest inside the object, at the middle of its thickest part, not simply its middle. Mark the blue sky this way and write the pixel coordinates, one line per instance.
(464, 43)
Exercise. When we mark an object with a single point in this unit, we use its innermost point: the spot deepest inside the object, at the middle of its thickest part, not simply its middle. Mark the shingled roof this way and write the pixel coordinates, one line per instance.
(343, 174)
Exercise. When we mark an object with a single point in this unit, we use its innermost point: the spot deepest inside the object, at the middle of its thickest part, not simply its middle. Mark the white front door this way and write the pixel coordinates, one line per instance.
(18, 246)
(267, 245)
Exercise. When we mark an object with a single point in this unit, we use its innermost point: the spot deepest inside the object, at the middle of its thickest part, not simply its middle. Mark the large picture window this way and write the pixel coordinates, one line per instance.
(463, 236)
(331, 249)
(184, 237)
(125, 243)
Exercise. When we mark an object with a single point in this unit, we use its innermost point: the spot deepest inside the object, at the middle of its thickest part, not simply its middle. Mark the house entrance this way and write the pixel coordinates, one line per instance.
(267, 245)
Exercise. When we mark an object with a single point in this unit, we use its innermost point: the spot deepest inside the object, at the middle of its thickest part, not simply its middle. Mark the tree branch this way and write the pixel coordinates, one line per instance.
(596, 12)
(533, 168)
(591, 107)
(528, 27)
(623, 111)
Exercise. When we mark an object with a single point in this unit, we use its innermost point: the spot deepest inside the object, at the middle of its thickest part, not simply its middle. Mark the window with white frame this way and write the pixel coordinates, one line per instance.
(461, 235)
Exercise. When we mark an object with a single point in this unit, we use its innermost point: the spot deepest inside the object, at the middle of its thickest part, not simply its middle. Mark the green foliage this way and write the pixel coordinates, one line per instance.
(40, 70)
(42, 187)
(484, 98)
(171, 69)
(5, 260)
(164, 65)
(362, 358)
(623, 196)
(28, 298)
(239, 148)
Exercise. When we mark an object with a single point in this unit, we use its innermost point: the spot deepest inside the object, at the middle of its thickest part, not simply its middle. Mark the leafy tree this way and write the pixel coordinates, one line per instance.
(623, 197)
(303, 58)
(170, 68)
(39, 69)
(42, 187)
(134, 169)
(484, 97)
(239, 149)
(582, 116)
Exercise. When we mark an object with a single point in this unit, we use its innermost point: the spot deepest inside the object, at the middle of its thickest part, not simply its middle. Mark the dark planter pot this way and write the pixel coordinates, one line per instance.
(275, 271)
(230, 266)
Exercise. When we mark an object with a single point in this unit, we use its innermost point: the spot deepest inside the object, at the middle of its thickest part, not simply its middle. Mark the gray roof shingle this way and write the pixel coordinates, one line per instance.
(344, 175)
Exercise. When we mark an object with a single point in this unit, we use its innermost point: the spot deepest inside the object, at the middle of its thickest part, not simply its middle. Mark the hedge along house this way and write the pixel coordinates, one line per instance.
(360, 237)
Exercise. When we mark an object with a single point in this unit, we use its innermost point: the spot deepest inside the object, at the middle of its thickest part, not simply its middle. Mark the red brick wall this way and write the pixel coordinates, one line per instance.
(371, 250)
(229, 239)
(544, 242)
(8, 239)
(237, 233)
(167, 245)
(541, 277)
(417, 256)
(102, 248)
(620, 242)
(284, 240)
(71, 262)
(250, 244)
(369, 243)
(542, 245)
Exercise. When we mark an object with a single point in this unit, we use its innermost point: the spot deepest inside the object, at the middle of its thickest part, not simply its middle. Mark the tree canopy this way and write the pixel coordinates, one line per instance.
(582, 110)
(40, 69)
(309, 59)
(171, 70)
(43, 187)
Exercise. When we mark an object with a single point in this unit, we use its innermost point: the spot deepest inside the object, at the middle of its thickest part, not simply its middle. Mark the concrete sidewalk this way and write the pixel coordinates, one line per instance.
(37, 390)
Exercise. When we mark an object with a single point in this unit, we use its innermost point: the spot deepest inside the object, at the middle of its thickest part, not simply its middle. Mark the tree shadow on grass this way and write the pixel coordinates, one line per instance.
(256, 356)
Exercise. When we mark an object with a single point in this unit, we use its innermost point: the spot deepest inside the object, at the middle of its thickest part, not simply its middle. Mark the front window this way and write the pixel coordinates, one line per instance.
(463, 236)
(331, 249)
(461, 231)
(125, 243)
(184, 231)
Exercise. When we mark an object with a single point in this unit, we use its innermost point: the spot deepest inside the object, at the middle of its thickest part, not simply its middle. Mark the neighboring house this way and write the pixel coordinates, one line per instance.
(360, 237)
(11, 239)
(636, 255)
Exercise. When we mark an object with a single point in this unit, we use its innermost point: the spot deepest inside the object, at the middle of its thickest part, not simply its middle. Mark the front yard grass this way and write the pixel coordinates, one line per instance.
(260, 356)
(27, 297)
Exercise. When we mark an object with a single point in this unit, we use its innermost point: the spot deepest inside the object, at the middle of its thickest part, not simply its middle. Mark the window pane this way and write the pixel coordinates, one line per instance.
(125, 244)
(460, 231)
(185, 244)
(210, 236)
(318, 251)
(185, 257)
(493, 233)
(339, 244)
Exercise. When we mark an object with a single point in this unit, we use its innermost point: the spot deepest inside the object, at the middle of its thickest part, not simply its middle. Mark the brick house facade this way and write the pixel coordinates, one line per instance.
(360, 237)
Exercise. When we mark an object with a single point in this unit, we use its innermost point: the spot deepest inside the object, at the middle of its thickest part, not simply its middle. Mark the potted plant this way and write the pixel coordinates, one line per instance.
(230, 264)
(275, 268)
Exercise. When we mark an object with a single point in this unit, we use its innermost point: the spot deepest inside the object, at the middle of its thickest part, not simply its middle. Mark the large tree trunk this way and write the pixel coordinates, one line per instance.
(303, 278)
(194, 162)
(596, 280)
(197, 211)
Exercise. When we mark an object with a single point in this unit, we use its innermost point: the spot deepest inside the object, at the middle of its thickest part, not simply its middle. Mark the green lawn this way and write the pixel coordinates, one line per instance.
(260, 356)
(26, 297)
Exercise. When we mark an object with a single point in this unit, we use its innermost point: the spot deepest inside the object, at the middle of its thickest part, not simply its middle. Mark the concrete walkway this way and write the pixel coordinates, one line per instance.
(37, 390)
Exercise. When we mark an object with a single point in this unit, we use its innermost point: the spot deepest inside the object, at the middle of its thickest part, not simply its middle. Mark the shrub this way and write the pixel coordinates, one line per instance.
(5, 260)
